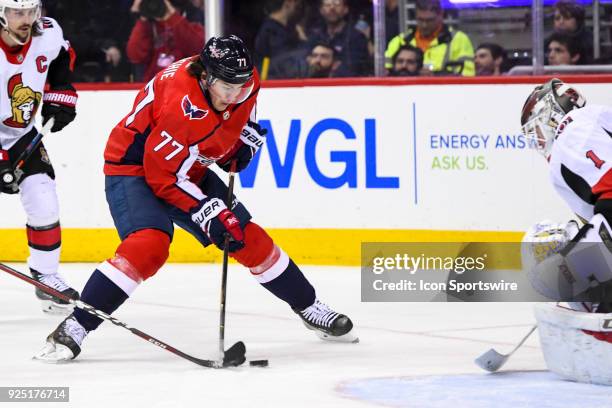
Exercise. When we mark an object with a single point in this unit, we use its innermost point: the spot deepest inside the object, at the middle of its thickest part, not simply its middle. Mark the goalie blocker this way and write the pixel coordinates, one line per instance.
(567, 264)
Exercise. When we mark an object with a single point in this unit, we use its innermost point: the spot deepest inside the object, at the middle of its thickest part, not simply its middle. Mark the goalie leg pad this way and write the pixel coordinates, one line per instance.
(576, 345)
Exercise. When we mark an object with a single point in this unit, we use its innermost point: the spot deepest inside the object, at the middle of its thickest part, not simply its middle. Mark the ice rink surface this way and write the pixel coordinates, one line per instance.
(410, 354)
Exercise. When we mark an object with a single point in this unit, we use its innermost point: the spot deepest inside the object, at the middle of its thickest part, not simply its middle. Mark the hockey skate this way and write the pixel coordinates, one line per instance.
(64, 343)
(51, 304)
(327, 324)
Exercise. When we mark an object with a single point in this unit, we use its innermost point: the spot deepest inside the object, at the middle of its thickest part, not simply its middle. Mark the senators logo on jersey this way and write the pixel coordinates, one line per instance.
(24, 103)
(189, 109)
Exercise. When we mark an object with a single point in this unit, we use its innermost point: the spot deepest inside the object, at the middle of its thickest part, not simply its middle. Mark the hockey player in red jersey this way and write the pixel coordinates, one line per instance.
(35, 54)
(198, 111)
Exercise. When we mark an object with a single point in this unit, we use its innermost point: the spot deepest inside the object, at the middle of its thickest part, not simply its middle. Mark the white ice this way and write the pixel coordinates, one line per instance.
(410, 354)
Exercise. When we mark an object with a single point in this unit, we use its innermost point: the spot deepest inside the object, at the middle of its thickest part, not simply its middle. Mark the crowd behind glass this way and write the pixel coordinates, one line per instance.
(131, 40)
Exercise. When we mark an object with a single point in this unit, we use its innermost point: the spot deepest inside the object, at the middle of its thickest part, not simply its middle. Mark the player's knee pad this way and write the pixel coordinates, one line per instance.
(264, 259)
(39, 200)
(145, 252)
(257, 246)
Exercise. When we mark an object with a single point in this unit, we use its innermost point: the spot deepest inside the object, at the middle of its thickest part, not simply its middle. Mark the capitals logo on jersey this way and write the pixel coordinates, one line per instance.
(189, 109)
(24, 103)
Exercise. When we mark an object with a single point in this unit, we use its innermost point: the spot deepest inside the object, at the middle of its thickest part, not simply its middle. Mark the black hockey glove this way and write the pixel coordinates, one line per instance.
(212, 215)
(61, 105)
(252, 137)
(8, 181)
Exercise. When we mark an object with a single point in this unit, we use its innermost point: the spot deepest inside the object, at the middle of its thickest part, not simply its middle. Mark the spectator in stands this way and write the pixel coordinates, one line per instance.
(162, 36)
(562, 49)
(322, 61)
(194, 10)
(99, 45)
(569, 18)
(279, 33)
(408, 61)
(391, 19)
(489, 59)
(350, 45)
(446, 51)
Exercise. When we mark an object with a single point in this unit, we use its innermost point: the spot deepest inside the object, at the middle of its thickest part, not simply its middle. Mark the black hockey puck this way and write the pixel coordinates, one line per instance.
(258, 363)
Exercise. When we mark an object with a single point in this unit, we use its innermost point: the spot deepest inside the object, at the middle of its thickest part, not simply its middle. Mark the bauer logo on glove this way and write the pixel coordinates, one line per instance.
(252, 138)
(216, 220)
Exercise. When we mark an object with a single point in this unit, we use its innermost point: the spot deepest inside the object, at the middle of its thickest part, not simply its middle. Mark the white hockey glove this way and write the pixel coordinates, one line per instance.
(541, 241)
(545, 239)
(252, 138)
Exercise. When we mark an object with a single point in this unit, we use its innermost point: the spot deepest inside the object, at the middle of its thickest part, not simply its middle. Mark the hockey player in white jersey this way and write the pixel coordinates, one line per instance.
(573, 261)
(34, 54)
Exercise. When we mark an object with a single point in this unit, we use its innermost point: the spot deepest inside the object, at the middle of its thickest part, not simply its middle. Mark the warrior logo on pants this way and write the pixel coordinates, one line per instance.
(24, 103)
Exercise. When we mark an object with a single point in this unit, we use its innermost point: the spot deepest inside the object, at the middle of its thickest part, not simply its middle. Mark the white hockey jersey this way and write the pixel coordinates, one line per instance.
(23, 76)
(581, 158)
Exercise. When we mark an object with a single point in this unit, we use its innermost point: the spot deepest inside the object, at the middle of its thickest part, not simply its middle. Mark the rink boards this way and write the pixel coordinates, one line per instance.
(343, 164)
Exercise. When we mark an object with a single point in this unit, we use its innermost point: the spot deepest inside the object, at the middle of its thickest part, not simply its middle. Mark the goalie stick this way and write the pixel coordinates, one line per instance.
(492, 360)
(232, 357)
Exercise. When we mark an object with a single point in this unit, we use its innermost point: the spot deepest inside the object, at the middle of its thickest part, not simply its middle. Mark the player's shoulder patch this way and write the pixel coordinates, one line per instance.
(192, 111)
(564, 123)
(52, 36)
(51, 30)
(48, 23)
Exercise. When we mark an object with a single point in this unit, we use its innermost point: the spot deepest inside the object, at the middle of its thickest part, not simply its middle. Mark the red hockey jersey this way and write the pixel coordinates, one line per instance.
(173, 134)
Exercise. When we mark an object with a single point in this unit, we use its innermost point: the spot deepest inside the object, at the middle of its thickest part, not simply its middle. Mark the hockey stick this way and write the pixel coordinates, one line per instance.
(228, 203)
(492, 361)
(25, 155)
(233, 354)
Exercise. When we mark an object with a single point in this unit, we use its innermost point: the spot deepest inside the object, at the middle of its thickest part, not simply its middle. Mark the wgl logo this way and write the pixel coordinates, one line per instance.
(283, 167)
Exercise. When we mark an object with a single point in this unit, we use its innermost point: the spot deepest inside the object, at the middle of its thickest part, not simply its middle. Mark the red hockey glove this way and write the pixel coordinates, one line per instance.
(216, 220)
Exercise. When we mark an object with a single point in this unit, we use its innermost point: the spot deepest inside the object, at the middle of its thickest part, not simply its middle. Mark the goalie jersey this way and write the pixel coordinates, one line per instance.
(24, 71)
(581, 159)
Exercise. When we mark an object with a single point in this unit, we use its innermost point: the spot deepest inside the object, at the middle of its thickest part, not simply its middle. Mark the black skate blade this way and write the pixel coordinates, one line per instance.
(235, 355)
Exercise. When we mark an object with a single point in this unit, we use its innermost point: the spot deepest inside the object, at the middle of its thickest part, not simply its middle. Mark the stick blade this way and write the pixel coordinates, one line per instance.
(235, 355)
(491, 361)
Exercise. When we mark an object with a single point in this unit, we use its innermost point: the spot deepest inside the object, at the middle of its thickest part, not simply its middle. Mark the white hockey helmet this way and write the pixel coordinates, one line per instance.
(544, 109)
(18, 4)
